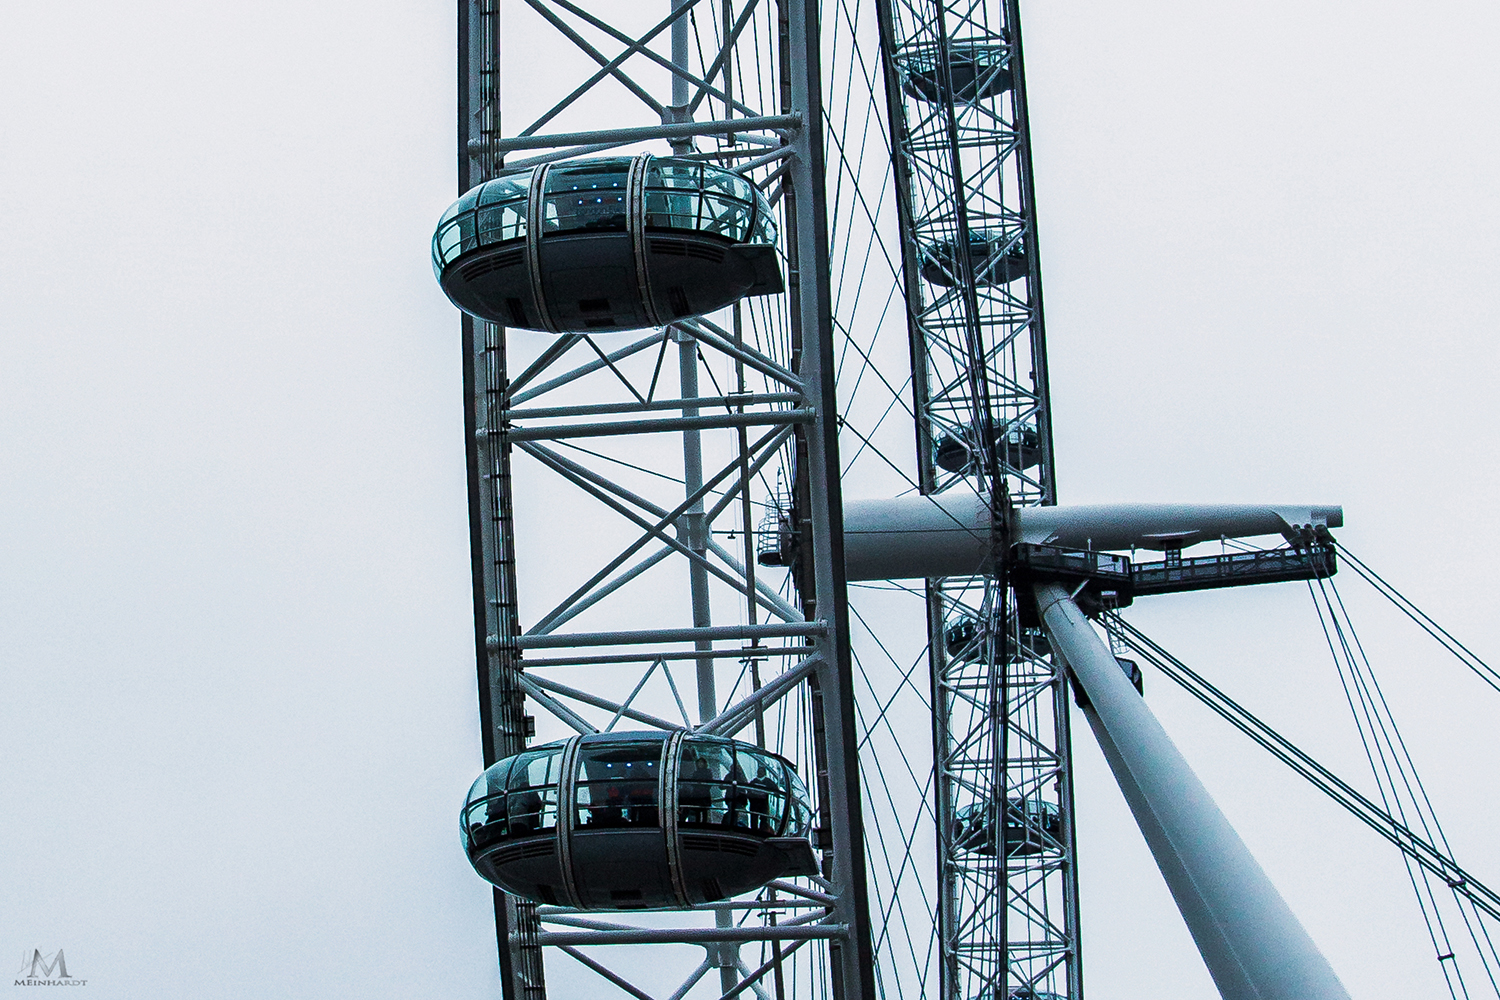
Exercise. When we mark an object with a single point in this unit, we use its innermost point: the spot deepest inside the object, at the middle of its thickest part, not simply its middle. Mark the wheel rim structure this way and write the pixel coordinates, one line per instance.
(949, 83)
(883, 297)
(617, 481)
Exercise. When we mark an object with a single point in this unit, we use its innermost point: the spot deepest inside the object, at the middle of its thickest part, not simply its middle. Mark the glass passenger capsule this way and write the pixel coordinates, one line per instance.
(1019, 993)
(993, 257)
(965, 641)
(1021, 450)
(638, 819)
(977, 70)
(606, 243)
(1031, 826)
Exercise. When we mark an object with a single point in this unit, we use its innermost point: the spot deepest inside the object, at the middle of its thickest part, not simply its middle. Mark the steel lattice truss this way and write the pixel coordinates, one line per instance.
(1007, 914)
(617, 481)
(956, 96)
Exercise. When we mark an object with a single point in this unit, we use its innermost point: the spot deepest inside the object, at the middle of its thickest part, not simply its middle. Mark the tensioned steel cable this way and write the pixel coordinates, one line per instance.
(1423, 852)
(1348, 672)
(1486, 673)
(1401, 756)
(1378, 819)
(1461, 652)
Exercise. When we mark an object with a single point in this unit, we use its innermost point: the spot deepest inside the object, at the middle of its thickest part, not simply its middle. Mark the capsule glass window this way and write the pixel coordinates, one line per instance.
(532, 796)
(761, 793)
(617, 785)
(704, 784)
(464, 204)
(684, 175)
(726, 217)
(799, 816)
(671, 210)
(587, 197)
(454, 238)
(502, 209)
(727, 183)
(484, 819)
(765, 225)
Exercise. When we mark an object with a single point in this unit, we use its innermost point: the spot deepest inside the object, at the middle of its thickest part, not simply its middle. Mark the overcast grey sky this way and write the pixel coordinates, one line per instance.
(237, 714)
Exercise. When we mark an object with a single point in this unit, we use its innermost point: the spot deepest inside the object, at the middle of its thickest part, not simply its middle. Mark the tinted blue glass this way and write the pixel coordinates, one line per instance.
(671, 210)
(532, 802)
(680, 174)
(500, 223)
(532, 810)
(536, 768)
(725, 182)
(799, 816)
(703, 789)
(590, 197)
(484, 818)
(760, 792)
(765, 224)
(448, 240)
(465, 203)
(505, 189)
(724, 217)
(617, 784)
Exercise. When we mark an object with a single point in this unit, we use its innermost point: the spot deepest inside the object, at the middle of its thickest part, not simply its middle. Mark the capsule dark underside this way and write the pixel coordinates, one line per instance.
(1022, 450)
(1026, 823)
(974, 75)
(590, 281)
(988, 265)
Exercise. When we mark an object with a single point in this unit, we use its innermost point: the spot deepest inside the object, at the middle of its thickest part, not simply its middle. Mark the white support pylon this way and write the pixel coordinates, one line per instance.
(1254, 946)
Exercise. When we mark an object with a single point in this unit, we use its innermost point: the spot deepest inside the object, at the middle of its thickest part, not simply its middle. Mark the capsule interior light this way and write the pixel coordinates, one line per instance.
(606, 243)
(638, 820)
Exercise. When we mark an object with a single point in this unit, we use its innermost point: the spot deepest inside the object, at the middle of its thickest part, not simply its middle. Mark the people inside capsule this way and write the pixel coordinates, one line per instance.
(611, 243)
(739, 819)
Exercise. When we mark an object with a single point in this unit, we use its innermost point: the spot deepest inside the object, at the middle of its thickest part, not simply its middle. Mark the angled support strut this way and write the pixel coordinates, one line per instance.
(1253, 945)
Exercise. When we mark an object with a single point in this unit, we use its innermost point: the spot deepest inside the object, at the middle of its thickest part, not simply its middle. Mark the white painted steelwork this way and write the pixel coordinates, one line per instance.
(568, 430)
(953, 534)
(1253, 945)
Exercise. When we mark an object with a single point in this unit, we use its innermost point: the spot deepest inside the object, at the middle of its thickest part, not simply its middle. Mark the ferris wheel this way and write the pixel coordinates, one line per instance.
(778, 620)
